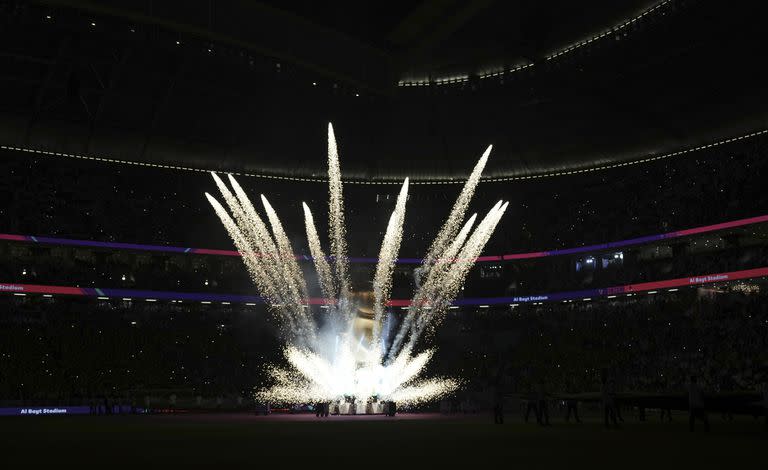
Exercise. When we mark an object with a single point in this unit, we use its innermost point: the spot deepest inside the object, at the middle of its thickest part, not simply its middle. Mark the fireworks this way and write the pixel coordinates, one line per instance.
(333, 360)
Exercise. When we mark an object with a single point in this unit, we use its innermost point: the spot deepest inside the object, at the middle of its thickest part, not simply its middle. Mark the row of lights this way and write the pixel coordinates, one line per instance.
(432, 182)
(209, 49)
(465, 78)
(461, 78)
(585, 299)
(130, 299)
(517, 68)
(613, 30)
(452, 307)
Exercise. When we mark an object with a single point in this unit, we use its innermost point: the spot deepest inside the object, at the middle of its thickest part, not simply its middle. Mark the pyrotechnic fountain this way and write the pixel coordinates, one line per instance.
(333, 361)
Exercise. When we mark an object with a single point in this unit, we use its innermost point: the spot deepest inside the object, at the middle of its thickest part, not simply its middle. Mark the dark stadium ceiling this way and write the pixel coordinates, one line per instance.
(245, 85)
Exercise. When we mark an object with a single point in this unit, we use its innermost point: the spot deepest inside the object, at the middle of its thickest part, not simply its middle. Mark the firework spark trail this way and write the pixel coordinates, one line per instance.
(327, 286)
(293, 271)
(440, 289)
(336, 361)
(428, 288)
(267, 253)
(293, 275)
(424, 391)
(289, 387)
(442, 264)
(253, 263)
(382, 281)
(455, 276)
(273, 264)
(443, 241)
(336, 216)
(451, 225)
(313, 376)
(261, 245)
(425, 296)
(241, 243)
(405, 368)
(259, 231)
(473, 248)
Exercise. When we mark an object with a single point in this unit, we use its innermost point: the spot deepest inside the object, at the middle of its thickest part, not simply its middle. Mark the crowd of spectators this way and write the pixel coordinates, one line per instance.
(59, 349)
(649, 344)
(541, 276)
(29, 263)
(66, 349)
(70, 198)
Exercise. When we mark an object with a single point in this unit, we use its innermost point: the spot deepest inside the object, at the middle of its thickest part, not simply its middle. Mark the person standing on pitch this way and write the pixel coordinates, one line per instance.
(696, 408)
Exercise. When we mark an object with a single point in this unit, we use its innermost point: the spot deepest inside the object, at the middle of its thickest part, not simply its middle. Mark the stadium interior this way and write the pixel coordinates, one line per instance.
(629, 273)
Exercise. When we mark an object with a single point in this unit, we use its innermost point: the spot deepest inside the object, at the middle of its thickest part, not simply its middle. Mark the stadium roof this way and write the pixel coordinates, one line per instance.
(413, 89)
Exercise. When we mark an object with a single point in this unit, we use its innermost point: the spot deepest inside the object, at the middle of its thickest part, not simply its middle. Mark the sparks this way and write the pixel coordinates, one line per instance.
(334, 360)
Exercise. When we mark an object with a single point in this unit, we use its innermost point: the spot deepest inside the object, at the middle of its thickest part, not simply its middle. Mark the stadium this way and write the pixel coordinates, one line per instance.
(236, 232)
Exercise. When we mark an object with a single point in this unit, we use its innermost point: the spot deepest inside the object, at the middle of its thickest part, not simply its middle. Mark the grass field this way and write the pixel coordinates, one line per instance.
(216, 440)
